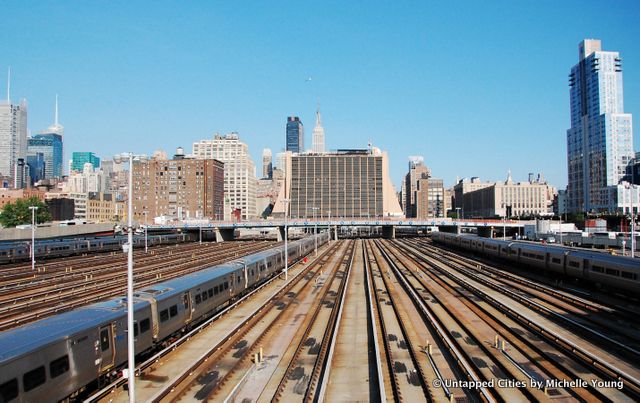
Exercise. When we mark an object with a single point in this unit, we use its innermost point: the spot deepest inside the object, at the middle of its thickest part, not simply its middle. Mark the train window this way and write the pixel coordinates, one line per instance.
(238, 279)
(145, 325)
(215, 290)
(173, 310)
(59, 366)
(9, 390)
(104, 339)
(597, 269)
(198, 299)
(204, 295)
(613, 272)
(135, 329)
(210, 292)
(34, 378)
(164, 315)
(226, 285)
(269, 264)
(185, 301)
(574, 264)
(555, 260)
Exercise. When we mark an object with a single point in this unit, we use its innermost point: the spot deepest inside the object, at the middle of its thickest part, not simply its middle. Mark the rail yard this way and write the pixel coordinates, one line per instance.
(358, 320)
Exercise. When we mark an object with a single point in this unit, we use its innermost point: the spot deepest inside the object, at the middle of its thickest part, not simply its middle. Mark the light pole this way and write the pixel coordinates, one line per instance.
(145, 231)
(633, 223)
(315, 228)
(286, 237)
(200, 229)
(33, 237)
(560, 215)
(130, 336)
(329, 224)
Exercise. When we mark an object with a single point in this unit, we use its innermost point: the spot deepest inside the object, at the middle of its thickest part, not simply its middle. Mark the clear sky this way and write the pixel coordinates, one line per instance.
(476, 87)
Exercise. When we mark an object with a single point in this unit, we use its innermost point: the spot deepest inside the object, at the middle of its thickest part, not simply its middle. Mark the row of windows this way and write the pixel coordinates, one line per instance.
(615, 272)
(34, 378)
(211, 292)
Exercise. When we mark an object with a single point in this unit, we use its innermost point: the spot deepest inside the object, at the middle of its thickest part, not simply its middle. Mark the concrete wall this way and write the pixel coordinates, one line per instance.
(14, 234)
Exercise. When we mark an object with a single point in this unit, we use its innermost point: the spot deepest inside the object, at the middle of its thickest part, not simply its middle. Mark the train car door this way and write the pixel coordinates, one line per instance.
(585, 268)
(186, 300)
(107, 347)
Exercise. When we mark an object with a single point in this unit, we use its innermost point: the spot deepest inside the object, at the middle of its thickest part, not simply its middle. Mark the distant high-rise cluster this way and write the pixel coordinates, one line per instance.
(600, 141)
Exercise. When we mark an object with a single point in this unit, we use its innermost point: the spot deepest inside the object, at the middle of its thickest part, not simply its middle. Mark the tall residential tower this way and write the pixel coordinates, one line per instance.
(600, 140)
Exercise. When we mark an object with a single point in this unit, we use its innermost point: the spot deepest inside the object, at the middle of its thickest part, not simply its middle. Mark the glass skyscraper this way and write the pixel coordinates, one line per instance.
(600, 140)
(50, 146)
(295, 134)
(80, 158)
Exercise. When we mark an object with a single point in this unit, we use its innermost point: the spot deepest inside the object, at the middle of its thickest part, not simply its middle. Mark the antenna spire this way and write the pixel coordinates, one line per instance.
(56, 118)
(9, 86)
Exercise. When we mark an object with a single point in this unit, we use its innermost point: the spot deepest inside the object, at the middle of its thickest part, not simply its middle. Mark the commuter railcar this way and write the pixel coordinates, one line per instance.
(600, 269)
(55, 357)
(20, 251)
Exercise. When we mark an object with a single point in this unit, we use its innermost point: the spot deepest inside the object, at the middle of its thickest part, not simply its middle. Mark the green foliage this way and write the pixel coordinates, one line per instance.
(18, 213)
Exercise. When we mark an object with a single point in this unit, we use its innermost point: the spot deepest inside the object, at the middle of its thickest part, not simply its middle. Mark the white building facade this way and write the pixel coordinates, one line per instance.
(13, 135)
(239, 172)
(600, 141)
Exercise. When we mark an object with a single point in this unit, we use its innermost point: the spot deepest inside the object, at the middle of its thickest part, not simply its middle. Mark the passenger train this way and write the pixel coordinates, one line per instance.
(56, 357)
(19, 251)
(599, 269)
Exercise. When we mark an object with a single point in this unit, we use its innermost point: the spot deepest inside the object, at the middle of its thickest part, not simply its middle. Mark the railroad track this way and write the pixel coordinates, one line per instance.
(590, 319)
(19, 310)
(600, 368)
(407, 373)
(226, 363)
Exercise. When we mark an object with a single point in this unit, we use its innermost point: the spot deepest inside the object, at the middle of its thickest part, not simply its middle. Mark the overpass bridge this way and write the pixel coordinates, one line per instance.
(225, 230)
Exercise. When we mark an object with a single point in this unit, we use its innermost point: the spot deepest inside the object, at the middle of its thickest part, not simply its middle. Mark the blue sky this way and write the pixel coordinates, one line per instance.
(477, 88)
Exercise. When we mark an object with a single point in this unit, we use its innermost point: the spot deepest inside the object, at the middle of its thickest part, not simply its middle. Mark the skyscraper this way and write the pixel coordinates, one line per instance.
(267, 163)
(318, 135)
(80, 158)
(600, 141)
(13, 133)
(50, 146)
(295, 134)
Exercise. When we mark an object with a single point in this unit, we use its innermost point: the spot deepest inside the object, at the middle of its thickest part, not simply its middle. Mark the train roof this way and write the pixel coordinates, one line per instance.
(169, 288)
(32, 336)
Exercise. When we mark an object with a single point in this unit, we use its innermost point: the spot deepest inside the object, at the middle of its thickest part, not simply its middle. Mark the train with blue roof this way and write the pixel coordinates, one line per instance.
(595, 268)
(58, 357)
(54, 248)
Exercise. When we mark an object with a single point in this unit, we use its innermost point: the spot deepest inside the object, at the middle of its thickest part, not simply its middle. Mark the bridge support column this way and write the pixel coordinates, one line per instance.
(226, 234)
(281, 234)
(389, 232)
(486, 232)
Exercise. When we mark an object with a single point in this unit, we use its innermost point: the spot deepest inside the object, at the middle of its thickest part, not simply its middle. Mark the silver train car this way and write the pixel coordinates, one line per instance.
(599, 269)
(19, 251)
(57, 357)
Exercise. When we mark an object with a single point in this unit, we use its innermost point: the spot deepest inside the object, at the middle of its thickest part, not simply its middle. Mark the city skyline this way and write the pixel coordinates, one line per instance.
(410, 84)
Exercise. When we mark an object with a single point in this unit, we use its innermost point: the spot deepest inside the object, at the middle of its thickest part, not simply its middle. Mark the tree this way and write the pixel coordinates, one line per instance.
(18, 213)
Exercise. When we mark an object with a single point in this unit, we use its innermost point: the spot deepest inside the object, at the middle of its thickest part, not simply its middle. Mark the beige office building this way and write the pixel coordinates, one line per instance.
(342, 184)
(509, 199)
